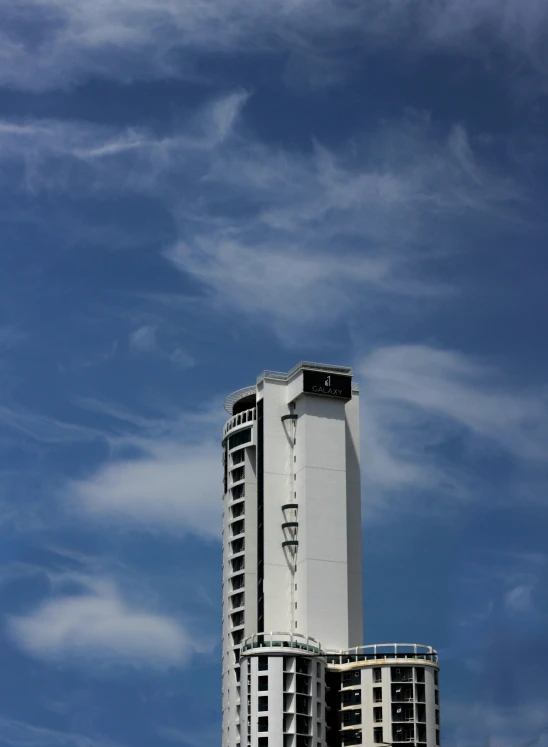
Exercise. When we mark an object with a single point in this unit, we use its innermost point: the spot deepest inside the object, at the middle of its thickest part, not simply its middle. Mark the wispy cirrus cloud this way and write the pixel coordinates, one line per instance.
(43, 428)
(357, 225)
(144, 340)
(515, 725)
(61, 155)
(321, 233)
(421, 401)
(14, 733)
(55, 43)
(502, 587)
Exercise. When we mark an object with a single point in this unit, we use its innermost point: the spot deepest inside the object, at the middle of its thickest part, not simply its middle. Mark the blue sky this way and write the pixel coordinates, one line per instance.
(195, 190)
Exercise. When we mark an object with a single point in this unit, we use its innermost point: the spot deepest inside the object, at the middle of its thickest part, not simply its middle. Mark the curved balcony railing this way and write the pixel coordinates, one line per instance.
(283, 640)
(240, 420)
(386, 651)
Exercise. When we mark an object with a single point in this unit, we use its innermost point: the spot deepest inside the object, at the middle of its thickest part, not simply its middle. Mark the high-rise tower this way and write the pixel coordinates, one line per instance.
(295, 672)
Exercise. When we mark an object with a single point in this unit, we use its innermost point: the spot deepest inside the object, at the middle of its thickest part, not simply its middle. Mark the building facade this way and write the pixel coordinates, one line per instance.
(295, 671)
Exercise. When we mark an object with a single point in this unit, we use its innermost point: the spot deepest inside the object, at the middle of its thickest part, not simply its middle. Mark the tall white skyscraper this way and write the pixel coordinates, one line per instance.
(295, 670)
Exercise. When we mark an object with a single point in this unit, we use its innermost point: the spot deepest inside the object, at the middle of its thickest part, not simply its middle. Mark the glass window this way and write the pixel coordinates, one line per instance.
(262, 682)
(239, 438)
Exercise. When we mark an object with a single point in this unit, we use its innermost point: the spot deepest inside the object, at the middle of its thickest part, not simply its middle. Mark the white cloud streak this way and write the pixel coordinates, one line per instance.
(44, 429)
(504, 587)
(277, 235)
(51, 43)
(172, 486)
(479, 723)
(15, 733)
(62, 155)
(98, 625)
(418, 398)
(280, 236)
(172, 481)
(143, 339)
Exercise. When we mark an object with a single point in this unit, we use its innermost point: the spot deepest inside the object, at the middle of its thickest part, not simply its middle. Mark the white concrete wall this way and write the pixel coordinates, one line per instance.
(323, 471)
(322, 575)
(367, 684)
(281, 720)
(430, 707)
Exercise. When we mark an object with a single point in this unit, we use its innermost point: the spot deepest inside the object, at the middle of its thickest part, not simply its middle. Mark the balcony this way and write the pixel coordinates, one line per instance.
(237, 583)
(402, 674)
(401, 735)
(237, 619)
(237, 511)
(385, 652)
(237, 528)
(402, 694)
(237, 545)
(402, 714)
(237, 601)
(303, 705)
(352, 719)
(352, 699)
(303, 725)
(237, 565)
(283, 640)
(239, 421)
(351, 738)
(237, 476)
(237, 493)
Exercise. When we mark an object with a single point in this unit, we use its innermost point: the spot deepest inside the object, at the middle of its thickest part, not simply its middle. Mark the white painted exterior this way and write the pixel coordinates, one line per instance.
(397, 696)
(312, 586)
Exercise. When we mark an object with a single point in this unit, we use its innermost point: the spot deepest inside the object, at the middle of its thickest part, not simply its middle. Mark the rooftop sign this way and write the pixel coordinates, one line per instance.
(327, 384)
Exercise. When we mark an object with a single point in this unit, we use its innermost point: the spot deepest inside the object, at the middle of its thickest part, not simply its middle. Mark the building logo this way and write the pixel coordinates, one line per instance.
(332, 385)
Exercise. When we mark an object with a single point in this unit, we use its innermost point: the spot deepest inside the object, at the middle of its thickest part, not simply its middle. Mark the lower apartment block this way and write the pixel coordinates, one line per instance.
(296, 694)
